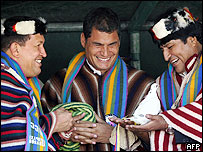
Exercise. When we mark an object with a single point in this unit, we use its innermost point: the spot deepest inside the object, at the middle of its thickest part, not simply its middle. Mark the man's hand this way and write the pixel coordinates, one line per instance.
(157, 123)
(64, 119)
(90, 133)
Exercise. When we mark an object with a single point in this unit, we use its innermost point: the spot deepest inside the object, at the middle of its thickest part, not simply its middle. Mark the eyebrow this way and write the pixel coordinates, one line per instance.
(113, 43)
(97, 43)
(166, 45)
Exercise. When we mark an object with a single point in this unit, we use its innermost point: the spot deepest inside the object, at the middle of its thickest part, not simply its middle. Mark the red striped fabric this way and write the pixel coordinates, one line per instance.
(189, 124)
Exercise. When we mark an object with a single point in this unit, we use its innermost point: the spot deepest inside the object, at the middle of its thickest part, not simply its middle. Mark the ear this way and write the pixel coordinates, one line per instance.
(82, 40)
(192, 41)
(14, 49)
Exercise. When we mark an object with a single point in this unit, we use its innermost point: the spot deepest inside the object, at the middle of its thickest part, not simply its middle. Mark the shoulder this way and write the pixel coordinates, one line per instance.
(8, 75)
(56, 80)
(13, 93)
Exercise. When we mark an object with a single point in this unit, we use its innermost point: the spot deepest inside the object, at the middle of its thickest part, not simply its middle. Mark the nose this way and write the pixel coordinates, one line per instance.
(166, 54)
(43, 52)
(104, 51)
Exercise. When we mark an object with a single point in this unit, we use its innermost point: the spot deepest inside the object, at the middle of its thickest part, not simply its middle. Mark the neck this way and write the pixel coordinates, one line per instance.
(93, 69)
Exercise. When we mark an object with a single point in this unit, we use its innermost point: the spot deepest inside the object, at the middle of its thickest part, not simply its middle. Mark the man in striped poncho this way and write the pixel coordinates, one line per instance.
(179, 126)
(24, 126)
(98, 76)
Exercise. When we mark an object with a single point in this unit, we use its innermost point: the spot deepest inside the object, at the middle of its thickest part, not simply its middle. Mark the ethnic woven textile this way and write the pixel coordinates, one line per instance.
(36, 139)
(192, 88)
(76, 108)
(114, 89)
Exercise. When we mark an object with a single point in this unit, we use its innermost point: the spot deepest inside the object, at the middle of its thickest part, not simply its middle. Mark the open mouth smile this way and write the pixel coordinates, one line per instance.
(104, 60)
(174, 61)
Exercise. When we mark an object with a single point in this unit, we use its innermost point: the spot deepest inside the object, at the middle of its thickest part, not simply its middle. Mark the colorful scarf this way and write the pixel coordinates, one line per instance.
(36, 139)
(114, 88)
(168, 90)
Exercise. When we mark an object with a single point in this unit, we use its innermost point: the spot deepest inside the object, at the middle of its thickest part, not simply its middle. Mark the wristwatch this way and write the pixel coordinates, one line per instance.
(170, 130)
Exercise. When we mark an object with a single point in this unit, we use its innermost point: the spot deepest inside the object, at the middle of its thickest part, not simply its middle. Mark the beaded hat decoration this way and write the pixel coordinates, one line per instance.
(179, 19)
(23, 25)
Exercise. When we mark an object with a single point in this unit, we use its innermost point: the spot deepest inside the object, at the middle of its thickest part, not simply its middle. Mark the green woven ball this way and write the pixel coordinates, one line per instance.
(76, 108)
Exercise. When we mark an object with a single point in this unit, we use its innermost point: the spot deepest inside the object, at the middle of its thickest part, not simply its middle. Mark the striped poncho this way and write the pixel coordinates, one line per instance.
(89, 87)
(16, 101)
(187, 116)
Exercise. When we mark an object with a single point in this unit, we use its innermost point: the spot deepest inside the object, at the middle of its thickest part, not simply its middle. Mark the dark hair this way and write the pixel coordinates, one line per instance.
(9, 35)
(6, 41)
(103, 19)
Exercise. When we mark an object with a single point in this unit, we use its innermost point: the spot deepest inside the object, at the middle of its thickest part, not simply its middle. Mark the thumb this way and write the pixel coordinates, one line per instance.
(98, 119)
(78, 117)
(149, 116)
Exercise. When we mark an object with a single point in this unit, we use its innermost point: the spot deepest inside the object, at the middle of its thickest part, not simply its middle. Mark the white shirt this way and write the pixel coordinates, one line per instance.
(94, 70)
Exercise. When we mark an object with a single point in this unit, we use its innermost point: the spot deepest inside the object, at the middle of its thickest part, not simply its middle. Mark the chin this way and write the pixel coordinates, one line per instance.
(179, 71)
(36, 73)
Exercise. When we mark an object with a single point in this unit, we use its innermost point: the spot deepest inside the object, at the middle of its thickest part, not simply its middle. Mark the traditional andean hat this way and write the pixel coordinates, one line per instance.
(23, 25)
(177, 20)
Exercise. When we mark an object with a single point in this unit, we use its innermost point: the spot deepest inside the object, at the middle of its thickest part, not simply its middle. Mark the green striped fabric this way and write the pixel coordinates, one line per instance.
(76, 108)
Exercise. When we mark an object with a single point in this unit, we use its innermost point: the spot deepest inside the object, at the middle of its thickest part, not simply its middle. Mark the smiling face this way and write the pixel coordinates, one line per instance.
(101, 49)
(31, 55)
(177, 53)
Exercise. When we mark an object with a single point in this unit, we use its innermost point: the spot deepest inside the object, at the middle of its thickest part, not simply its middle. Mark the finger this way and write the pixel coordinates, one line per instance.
(114, 119)
(78, 117)
(83, 139)
(83, 129)
(136, 127)
(129, 122)
(98, 119)
(87, 134)
(152, 117)
(89, 141)
(85, 124)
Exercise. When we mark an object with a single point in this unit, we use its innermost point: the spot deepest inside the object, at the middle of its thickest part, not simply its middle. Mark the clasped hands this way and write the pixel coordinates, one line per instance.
(86, 132)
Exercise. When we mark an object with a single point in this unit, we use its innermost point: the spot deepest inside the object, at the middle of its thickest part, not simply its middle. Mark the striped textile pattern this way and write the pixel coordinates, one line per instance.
(192, 122)
(186, 118)
(169, 93)
(76, 108)
(35, 138)
(114, 89)
(87, 88)
(14, 102)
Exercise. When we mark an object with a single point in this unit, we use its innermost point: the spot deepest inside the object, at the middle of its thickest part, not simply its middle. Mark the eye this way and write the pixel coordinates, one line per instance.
(112, 45)
(97, 44)
(170, 47)
(38, 45)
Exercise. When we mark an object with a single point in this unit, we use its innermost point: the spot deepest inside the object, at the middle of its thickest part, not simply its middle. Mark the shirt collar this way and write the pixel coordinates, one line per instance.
(189, 64)
(94, 70)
